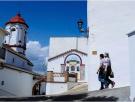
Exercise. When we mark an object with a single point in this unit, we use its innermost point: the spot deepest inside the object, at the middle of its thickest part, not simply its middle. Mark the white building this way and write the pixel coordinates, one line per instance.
(66, 57)
(16, 76)
(109, 22)
(17, 28)
(67, 54)
(3, 33)
(132, 63)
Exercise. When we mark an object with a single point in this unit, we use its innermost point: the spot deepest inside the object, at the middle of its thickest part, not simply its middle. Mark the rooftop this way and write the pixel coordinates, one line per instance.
(17, 19)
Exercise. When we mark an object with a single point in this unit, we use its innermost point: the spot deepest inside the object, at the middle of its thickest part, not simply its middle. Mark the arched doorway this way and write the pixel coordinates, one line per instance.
(73, 64)
(37, 86)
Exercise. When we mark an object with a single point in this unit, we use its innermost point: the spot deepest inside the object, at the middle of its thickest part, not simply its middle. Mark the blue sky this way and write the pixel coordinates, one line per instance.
(45, 19)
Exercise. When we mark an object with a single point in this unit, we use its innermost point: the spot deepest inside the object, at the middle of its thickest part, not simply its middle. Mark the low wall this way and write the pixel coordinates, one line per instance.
(16, 82)
(58, 77)
(56, 88)
(61, 77)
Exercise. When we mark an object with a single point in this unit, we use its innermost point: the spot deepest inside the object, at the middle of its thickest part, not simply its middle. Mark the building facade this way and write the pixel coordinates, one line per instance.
(69, 56)
(131, 38)
(17, 28)
(109, 22)
(16, 76)
(3, 33)
(66, 55)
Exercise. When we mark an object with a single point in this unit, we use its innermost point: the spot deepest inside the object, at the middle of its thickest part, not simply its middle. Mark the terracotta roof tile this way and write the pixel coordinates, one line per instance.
(17, 19)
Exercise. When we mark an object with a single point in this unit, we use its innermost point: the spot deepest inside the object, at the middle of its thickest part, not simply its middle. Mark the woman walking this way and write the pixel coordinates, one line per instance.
(108, 70)
(101, 72)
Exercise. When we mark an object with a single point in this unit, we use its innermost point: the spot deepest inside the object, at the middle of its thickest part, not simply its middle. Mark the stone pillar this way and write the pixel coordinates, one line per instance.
(66, 75)
(50, 76)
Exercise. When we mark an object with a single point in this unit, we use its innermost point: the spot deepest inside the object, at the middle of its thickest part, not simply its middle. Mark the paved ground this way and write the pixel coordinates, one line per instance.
(81, 88)
(117, 94)
(3, 93)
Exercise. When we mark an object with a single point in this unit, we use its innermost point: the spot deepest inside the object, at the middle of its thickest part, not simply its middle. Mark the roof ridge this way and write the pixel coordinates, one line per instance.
(66, 53)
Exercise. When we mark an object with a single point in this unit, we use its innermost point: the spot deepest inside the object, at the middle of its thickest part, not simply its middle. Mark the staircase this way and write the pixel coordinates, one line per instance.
(78, 88)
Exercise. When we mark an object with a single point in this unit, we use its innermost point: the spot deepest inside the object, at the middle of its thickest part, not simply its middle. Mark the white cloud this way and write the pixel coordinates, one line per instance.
(37, 54)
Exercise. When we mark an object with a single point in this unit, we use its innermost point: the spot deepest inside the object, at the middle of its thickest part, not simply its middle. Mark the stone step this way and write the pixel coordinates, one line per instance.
(83, 87)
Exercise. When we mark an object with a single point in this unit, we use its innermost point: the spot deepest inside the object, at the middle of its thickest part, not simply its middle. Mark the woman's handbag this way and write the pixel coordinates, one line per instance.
(111, 75)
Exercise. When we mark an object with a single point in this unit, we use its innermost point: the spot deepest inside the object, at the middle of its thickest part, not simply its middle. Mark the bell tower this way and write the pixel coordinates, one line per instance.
(17, 28)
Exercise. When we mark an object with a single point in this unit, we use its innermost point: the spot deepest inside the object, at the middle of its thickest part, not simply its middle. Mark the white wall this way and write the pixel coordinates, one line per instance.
(56, 88)
(132, 64)
(62, 44)
(109, 22)
(55, 64)
(18, 61)
(59, 79)
(16, 82)
(16, 36)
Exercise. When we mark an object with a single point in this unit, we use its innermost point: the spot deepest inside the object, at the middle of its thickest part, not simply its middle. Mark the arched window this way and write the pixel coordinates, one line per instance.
(67, 69)
(20, 41)
(2, 83)
(13, 29)
(73, 57)
(13, 60)
(78, 68)
(25, 32)
(72, 68)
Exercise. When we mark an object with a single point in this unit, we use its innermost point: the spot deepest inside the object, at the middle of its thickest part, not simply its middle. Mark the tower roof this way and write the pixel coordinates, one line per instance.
(17, 19)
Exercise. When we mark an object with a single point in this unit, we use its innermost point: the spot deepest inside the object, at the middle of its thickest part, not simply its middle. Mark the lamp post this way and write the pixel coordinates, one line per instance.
(81, 30)
(80, 27)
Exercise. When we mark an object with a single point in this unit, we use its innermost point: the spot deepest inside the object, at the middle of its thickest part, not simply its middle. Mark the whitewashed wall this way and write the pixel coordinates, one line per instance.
(16, 36)
(18, 61)
(62, 44)
(16, 82)
(132, 64)
(71, 79)
(56, 88)
(55, 64)
(109, 22)
(59, 79)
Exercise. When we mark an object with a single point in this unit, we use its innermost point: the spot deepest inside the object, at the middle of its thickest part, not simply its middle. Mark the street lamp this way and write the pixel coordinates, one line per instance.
(80, 27)
(80, 23)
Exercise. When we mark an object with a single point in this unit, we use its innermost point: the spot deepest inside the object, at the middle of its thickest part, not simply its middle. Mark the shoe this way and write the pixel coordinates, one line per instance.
(106, 87)
(101, 88)
(113, 84)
